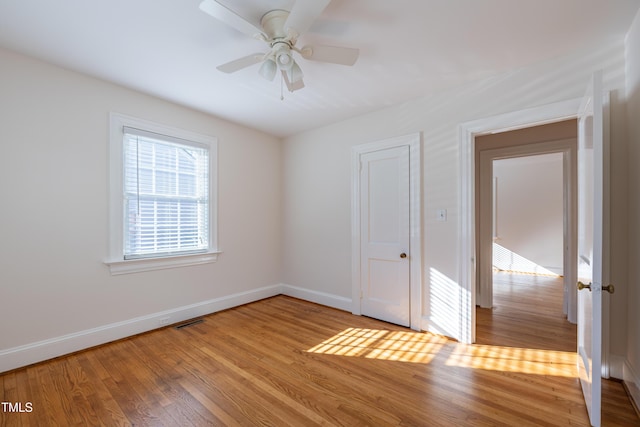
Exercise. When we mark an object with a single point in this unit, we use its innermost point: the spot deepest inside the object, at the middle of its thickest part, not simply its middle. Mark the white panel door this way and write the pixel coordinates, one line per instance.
(385, 257)
(590, 246)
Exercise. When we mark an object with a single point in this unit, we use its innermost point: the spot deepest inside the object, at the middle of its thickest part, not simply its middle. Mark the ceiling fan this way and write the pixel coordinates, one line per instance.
(280, 29)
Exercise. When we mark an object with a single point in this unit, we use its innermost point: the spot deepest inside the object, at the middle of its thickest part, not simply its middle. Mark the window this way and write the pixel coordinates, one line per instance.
(162, 196)
(166, 195)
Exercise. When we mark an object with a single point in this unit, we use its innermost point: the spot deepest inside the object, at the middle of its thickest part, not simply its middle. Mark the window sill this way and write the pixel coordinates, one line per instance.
(118, 267)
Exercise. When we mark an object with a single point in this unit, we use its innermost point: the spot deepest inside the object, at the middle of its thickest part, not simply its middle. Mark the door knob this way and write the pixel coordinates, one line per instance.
(582, 286)
(403, 255)
(609, 288)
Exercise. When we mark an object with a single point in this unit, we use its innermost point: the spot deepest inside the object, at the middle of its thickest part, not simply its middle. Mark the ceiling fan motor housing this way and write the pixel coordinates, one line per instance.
(273, 24)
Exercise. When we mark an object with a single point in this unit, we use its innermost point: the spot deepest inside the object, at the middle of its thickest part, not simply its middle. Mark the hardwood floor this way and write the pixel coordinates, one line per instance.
(286, 362)
(527, 313)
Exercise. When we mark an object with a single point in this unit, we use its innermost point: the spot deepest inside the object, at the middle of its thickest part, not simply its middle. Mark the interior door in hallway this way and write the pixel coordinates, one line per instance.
(592, 176)
(385, 258)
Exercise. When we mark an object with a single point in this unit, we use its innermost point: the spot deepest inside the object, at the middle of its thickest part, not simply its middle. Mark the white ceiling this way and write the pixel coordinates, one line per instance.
(408, 48)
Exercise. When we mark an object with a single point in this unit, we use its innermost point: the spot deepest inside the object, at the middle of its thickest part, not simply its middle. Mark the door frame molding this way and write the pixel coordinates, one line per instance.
(414, 142)
(467, 133)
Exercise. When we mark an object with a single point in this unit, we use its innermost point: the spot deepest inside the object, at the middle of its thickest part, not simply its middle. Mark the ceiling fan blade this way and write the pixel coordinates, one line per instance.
(240, 63)
(332, 54)
(297, 85)
(302, 15)
(229, 17)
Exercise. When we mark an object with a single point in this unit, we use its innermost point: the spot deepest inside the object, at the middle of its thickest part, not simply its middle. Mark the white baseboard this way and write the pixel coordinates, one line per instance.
(428, 325)
(556, 270)
(616, 366)
(632, 381)
(28, 354)
(323, 298)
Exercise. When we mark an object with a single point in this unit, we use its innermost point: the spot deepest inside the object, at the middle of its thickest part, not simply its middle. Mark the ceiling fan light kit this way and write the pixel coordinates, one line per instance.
(282, 52)
(268, 69)
(296, 73)
(280, 29)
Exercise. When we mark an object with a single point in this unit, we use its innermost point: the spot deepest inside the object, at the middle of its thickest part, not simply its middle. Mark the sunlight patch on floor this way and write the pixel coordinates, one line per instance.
(514, 359)
(419, 347)
(381, 344)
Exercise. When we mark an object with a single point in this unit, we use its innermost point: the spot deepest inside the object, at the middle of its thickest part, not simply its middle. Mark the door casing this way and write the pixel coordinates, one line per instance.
(467, 228)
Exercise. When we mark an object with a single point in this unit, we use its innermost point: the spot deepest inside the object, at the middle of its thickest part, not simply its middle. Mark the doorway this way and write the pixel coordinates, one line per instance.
(532, 149)
(528, 214)
(529, 204)
(557, 139)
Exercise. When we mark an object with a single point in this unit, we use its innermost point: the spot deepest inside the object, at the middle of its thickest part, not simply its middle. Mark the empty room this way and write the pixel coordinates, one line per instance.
(273, 212)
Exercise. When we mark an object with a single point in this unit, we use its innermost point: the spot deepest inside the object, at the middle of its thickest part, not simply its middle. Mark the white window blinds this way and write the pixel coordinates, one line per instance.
(166, 195)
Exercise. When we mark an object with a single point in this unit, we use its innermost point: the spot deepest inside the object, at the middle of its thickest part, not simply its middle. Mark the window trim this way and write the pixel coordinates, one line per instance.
(115, 260)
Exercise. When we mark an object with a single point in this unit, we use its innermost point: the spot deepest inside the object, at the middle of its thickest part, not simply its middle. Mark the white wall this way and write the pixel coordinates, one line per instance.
(530, 211)
(55, 292)
(317, 174)
(632, 367)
